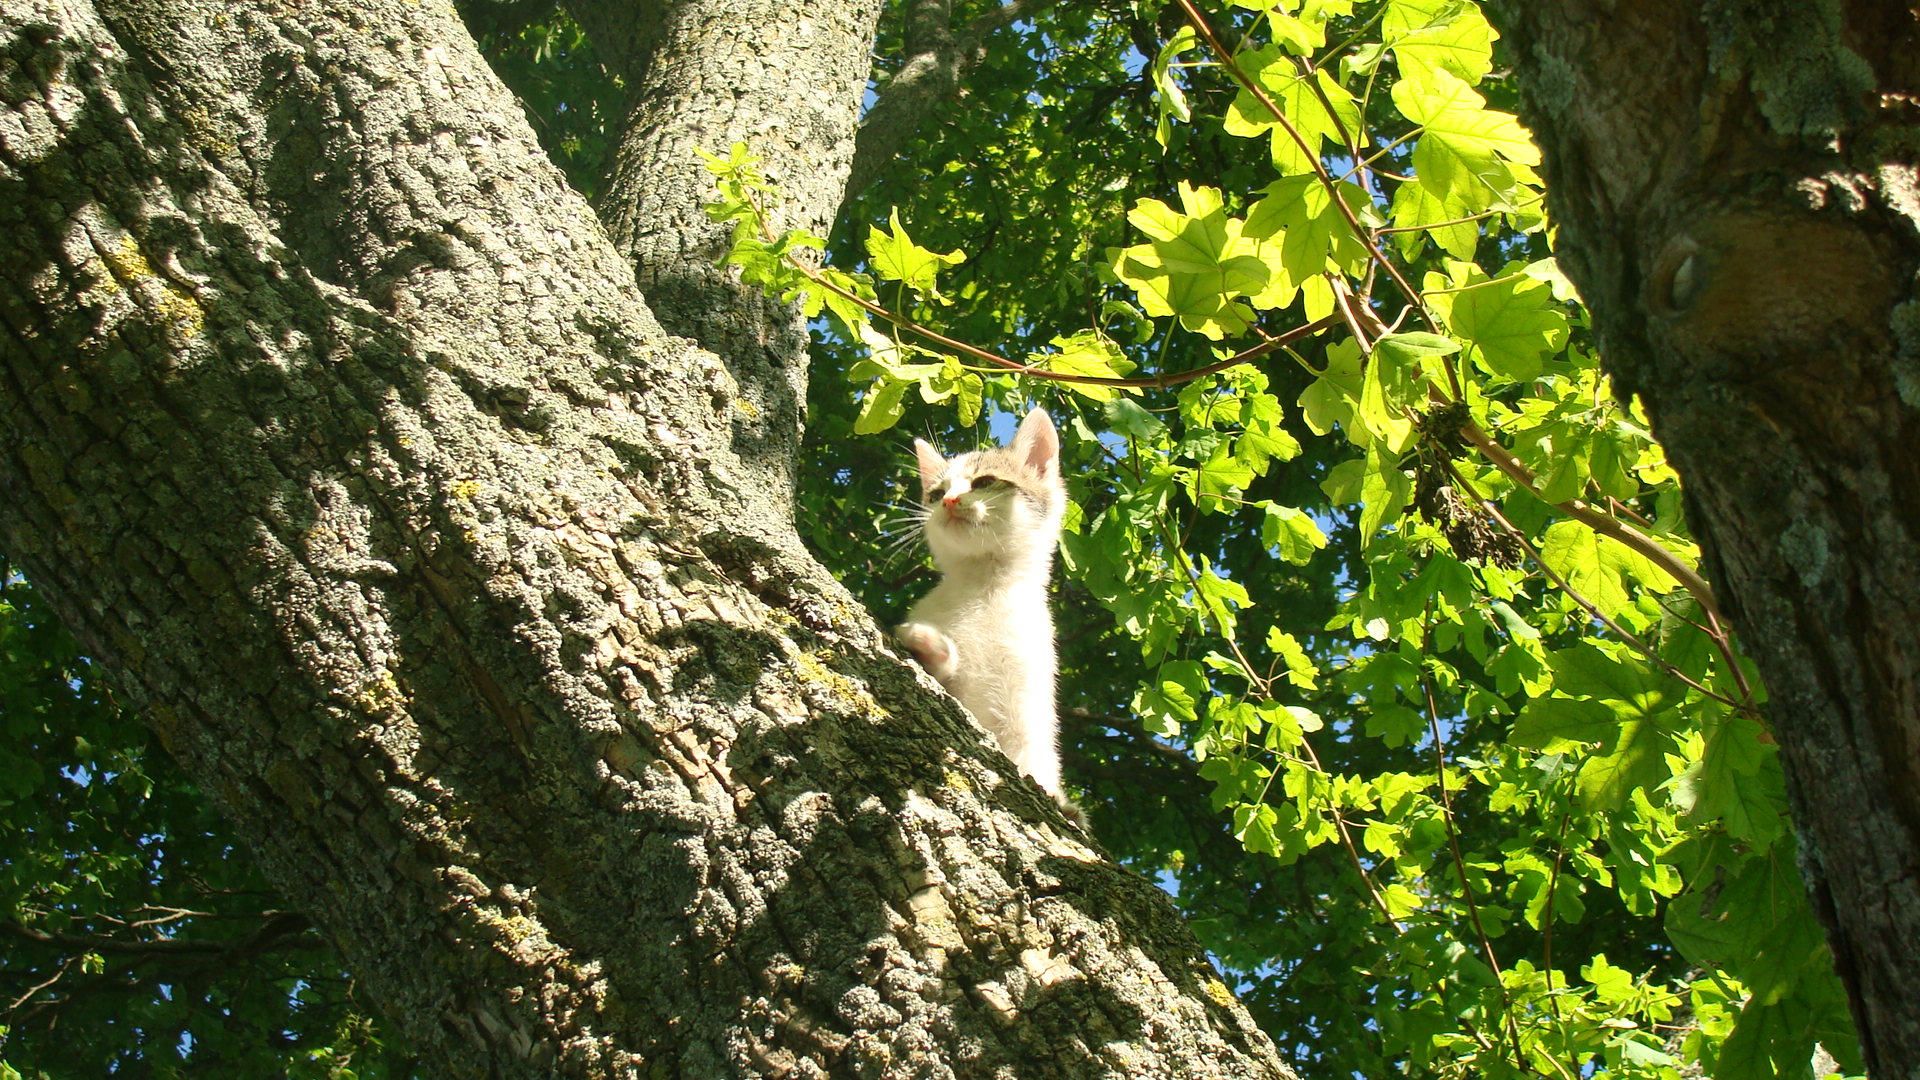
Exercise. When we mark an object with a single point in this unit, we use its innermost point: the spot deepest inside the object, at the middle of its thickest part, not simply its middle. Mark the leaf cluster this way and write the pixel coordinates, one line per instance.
(1381, 629)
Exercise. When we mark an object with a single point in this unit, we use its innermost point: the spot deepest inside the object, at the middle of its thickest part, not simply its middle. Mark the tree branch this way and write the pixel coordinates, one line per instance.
(1604, 524)
(275, 926)
(277, 929)
(1360, 232)
(1137, 736)
(1273, 342)
(937, 59)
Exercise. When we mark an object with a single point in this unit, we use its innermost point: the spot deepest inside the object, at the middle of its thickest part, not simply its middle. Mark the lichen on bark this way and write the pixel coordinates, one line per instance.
(1737, 220)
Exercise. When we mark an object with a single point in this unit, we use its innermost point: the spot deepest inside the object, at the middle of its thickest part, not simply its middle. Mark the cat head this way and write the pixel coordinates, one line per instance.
(1005, 502)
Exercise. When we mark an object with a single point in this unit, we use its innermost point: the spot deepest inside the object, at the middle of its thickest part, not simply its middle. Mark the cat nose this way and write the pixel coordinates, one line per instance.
(950, 501)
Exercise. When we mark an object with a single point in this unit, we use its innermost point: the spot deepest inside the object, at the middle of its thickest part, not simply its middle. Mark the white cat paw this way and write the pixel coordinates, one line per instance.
(935, 650)
(1076, 817)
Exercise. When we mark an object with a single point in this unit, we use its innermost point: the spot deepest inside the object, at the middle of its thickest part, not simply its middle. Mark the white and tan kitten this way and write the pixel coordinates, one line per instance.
(992, 521)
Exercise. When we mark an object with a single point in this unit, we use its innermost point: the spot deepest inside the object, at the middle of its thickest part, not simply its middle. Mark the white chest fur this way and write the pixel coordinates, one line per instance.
(1000, 662)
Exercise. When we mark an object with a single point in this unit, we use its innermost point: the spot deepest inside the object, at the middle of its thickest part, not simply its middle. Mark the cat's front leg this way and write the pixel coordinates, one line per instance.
(935, 650)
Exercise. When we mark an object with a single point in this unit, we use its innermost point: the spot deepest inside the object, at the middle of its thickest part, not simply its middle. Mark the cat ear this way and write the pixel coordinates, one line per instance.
(1037, 444)
(932, 465)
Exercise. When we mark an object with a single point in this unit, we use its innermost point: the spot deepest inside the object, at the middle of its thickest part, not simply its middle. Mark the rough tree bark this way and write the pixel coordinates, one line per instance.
(703, 75)
(336, 426)
(1736, 190)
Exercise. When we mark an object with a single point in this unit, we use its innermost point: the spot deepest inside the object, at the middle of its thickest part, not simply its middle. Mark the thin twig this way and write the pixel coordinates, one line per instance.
(1605, 525)
(1625, 635)
(1459, 860)
(1360, 232)
(1472, 285)
(1155, 382)
(1546, 920)
(1353, 852)
(1468, 220)
(1159, 382)
(1265, 689)
(173, 915)
(1343, 299)
(1725, 645)
(37, 987)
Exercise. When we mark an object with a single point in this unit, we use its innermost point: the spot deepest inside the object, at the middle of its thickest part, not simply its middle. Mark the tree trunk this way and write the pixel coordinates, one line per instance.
(1737, 198)
(703, 75)
(333, 423)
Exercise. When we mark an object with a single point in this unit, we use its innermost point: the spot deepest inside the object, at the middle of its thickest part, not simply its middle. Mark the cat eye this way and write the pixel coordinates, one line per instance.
(982, 483)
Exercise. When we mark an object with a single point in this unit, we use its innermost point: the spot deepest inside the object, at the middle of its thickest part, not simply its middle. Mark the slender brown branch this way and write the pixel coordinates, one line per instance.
(1720, 640)
(1353, 855)
(1604, 524)
(1137, 731)
(1546, 920)
(1460, 861)
(30, 991)
(1625, 635)
(172, 915)
(1618, 507)
(273, 925)
(1276, 342)
(1348, 139)
(1344, 302)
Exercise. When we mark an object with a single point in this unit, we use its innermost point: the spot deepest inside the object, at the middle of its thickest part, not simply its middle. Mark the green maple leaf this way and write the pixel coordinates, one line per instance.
(1464, 147)
(1736, 781)
(1292, 532)
(1332, 398)
(1195, 266)
(1087, 352)
(1384, 490)
(1314, 236)
(1511, 325)
(1462, 46)
(1420, 212)
(1637, 760)
(897, 258)
(1599, 569)
(1316, 105)
(1555, 724)
(1173, 698)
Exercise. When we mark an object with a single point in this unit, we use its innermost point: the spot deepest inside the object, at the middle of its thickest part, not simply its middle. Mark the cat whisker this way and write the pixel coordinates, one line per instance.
(896, 548)
(902, 529)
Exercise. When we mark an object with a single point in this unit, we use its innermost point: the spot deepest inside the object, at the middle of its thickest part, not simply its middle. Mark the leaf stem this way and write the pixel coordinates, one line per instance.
(1473, 285)
(1468, 220)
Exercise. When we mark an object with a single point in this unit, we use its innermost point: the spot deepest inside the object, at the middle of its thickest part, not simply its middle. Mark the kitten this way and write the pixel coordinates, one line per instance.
(992, 521)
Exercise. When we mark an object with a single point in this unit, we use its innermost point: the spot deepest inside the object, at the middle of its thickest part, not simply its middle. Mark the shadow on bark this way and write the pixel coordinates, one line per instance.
(553, 825)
